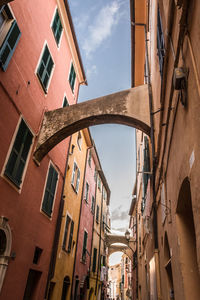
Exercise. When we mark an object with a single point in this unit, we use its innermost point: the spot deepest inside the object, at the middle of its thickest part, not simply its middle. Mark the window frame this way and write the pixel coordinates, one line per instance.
(97, 214)
(94, 261)
(52, 23)
(72, 82)
(84, 249)
(68, 234)
(86, 196)
(45, 90)
(6, 30)
(6, 177)
(75, 179)
(65, 100)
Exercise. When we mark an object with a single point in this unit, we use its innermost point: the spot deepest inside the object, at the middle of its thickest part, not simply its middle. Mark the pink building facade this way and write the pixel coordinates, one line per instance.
(84, 241)
(41, 70)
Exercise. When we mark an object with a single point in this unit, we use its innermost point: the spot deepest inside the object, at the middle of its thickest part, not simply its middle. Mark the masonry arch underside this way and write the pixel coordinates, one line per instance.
(129, 107)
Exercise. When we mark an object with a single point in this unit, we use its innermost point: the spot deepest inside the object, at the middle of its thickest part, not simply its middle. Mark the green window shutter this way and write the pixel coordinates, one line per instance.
(86, 191)
(72, 77)
(57, 27)
(65, 102)
(77, 180)
(8, 47)
(92, 206)
(66, 231)
(94, 260)
(97, 214)
(47, 203)
(45, 68)
(18, 156)
(84, 246)
(90, 158)
(70, 236)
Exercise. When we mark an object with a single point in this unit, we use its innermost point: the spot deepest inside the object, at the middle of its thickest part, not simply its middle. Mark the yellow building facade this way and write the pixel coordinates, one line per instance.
(72, 194)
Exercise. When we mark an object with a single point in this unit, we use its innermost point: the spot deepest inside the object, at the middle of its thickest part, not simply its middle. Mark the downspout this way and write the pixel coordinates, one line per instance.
(57, 229)
(99, 254)
(71, 297)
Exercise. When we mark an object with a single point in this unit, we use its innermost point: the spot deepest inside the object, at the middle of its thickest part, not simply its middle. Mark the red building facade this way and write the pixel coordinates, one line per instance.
(85, 233)
(41, 70)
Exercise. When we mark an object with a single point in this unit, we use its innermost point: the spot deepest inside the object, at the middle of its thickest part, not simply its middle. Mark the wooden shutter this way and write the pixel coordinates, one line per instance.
(57, 27)
(94, 260)
(160, 42)
(92, 206)
(45, 68)
(8, 47)
(70, 236)
(72, 77)
(97, 214)
(84, 246)
(18, 156)
(65, 233)
(86, 191)
(50, 191)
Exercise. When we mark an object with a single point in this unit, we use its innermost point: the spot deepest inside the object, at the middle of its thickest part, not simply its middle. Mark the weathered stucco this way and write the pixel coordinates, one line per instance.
(129, 107)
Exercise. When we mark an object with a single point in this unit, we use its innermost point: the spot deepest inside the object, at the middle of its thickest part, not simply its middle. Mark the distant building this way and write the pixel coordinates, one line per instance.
(115, 281)
(40, 70)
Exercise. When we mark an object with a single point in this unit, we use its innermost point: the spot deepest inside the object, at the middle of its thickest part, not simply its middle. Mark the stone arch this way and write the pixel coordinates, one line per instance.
(5, 247)
(129, 107)
(187, 240)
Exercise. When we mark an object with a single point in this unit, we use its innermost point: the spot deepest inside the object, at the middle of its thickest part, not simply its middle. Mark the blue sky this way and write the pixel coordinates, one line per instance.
(103, 32)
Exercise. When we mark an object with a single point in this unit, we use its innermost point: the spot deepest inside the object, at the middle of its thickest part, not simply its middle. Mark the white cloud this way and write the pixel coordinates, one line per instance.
(91, 70)
(107, 18)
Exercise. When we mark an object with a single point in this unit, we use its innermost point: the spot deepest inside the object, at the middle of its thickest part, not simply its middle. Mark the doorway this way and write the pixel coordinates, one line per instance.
(187, 241)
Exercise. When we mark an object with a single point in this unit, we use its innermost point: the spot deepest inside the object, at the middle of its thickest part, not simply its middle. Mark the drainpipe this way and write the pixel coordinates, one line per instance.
(57, 230)
(99, 254)
(71, 297)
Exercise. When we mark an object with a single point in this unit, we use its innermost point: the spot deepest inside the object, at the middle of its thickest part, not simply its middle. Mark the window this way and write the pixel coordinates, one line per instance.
(99, 183)
(94, 260)
(65, 102)
(84, 251)
(9, 36)
(146, 168)
(79, 140)
(72, 77)
(93, 204)
(37, 255)
(19, 153)
(68, 234)
(57, 27)
(95, 174)
(45, 68)
(50, 189)
(103, 221)
(75, 177)
(89, 158)
(97, 214)
(86, 192)
(160, 43)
